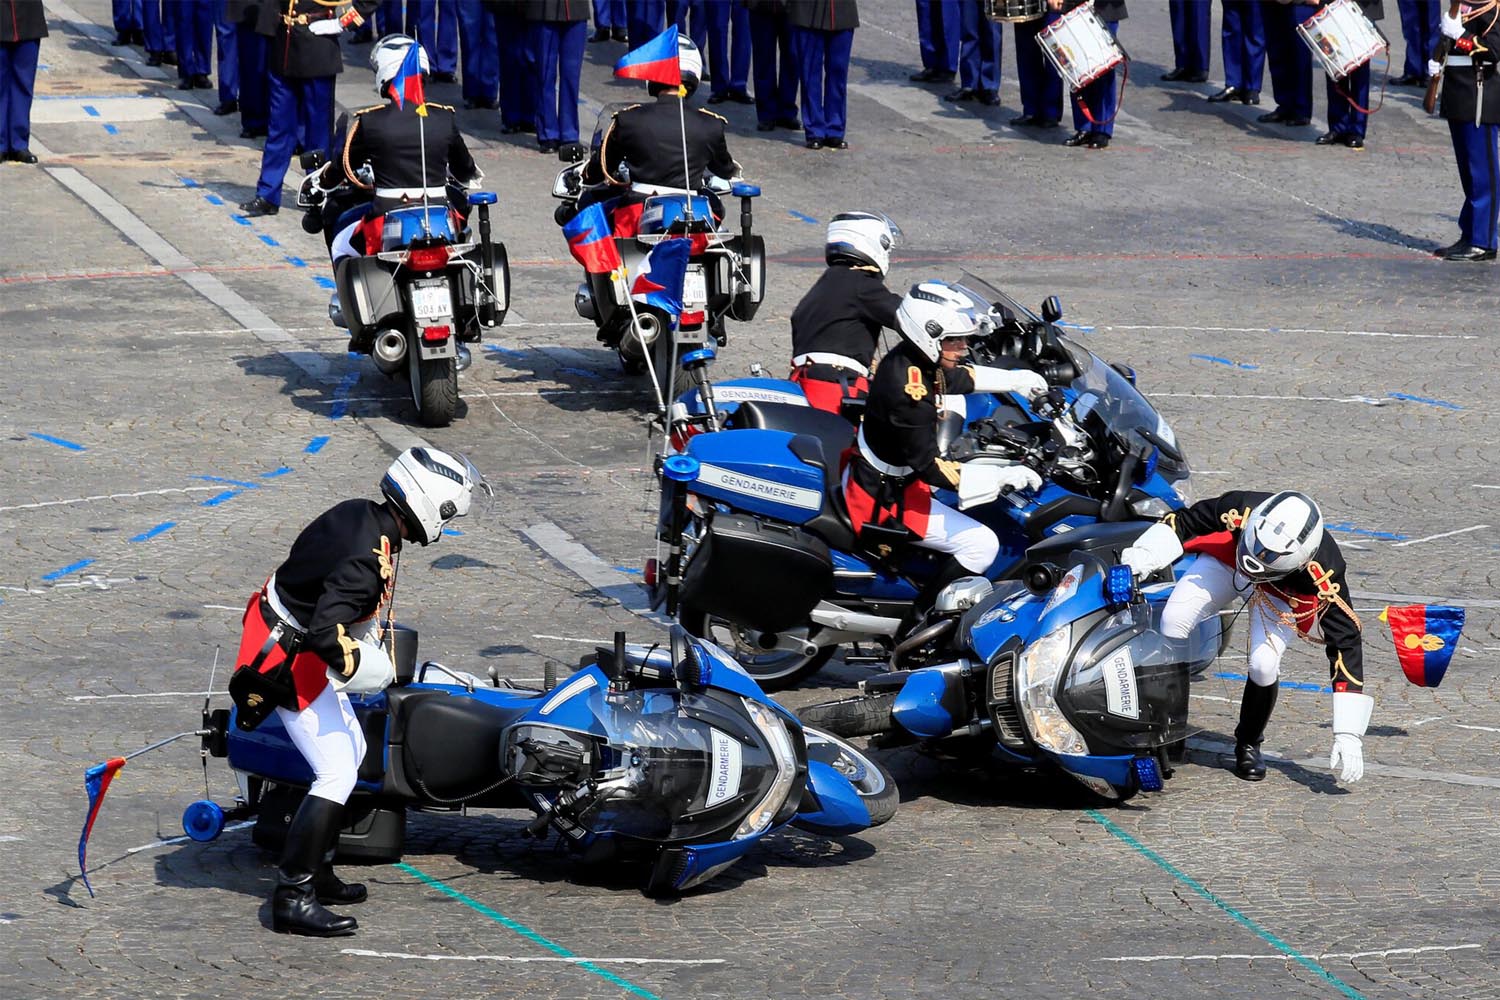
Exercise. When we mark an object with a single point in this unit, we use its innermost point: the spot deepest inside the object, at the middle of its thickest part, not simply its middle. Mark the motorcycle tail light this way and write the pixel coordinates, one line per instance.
(436, 334)
(427, 258)
(652, 572)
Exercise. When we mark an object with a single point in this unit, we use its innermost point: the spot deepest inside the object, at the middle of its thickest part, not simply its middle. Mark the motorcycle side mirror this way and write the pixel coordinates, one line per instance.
(1125, 370)
(1052, 309)
(1042, 578)
(311, 160)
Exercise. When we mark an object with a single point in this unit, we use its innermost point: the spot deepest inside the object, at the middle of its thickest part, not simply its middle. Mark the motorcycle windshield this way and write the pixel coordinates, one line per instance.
(679, 767)
(1112, 399)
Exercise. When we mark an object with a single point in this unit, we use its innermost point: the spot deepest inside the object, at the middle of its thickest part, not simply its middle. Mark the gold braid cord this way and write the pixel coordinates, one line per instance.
(1263, 603)
(349, 171)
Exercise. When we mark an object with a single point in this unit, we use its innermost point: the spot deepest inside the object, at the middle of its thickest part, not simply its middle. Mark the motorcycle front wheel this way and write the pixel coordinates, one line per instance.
(862, 715)
(876, 788)
(773, 669)
(434, 387)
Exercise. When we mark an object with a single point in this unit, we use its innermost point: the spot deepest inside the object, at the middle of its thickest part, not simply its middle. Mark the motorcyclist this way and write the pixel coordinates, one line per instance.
(837, 324)
(896, 463)
(1271, 549)
(656, 141)
(321, 608)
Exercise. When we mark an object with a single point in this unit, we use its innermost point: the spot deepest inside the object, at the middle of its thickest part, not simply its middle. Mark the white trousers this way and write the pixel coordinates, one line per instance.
(328, 736)
(974, 545)
(1208, 588)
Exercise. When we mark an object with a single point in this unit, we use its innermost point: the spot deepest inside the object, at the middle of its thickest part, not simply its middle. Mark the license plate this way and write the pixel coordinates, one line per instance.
(431, 301)
(692, 335)
(695, 287)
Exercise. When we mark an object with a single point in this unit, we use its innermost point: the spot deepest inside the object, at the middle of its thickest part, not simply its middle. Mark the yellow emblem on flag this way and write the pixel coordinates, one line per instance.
(1428, 642)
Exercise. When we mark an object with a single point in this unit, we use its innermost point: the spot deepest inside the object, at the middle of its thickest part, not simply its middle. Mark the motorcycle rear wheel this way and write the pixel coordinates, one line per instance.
(863, 715)
(876, 788)
(434, 388)
(774, 670)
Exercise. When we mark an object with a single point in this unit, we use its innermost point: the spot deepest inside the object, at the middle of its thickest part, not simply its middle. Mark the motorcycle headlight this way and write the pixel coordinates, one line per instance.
(1150, 508)
(1037, 671)
(773, 730)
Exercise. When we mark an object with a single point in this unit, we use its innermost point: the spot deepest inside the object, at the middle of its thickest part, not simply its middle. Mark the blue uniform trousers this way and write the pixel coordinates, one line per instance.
(979, 50)
(558, 48)
(1342, 116)
(1101, 97)
(938, 34)
(228, 60)
(195, 36)
(1244, 38)
(126, 15)
(644, 20)
(691, 19)
(301, 114)
(1040, 86)
(728, 55)
(254, 77)
(1290, 61)
(517, 70)
(17, 84)
(390, 19)
(159, 25)
(1191, 20)
(823, 71)
(609, 14)
(437, 31)
(775, 69)
(1419, 28)
(479, 47)
(1477, 149)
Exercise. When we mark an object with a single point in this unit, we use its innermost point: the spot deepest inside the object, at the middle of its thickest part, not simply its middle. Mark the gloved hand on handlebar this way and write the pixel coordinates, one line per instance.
(1028, 383)
(982, 482)
(1156, 548)
(472, 184)
(327, 26)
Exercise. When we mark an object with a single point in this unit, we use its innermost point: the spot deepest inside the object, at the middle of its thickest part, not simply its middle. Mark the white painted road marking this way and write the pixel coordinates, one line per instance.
(148, 694)
(184, 838)
(1261, 329)
(592, 570)
(1446, 534)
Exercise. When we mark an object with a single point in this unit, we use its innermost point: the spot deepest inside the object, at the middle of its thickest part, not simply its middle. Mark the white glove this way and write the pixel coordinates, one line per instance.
(1157, 547)
(327, 26)
(980, 482)
(374, 674)
(1351, 717)
(1434, 68)
(1027, 383)
(472, 184)
(1452, 26)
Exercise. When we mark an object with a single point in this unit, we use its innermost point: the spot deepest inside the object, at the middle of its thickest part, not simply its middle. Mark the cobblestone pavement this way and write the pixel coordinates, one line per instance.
(177, 408)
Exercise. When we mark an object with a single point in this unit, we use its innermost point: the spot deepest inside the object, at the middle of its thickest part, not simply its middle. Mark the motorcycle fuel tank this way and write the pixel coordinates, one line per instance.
(755, 471)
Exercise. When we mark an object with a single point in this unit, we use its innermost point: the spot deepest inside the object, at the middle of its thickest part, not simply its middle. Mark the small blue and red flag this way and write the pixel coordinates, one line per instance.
(655, 62)
(1425, 636)
(659, 282)
(406, 85)
(590, 241)
(96, 780)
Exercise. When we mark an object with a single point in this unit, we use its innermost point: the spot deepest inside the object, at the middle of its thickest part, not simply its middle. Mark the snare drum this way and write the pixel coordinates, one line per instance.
(1342, 38)
(1013, 10)
(1080, 47)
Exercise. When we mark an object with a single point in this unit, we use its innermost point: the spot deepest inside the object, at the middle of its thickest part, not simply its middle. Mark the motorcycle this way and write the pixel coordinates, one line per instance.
(769, 562)
(1064, 668)
(726, 273)
(666, 756)
(430, 288)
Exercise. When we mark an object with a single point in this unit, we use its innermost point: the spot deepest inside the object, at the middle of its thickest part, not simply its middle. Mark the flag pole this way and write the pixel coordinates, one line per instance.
(422, 139)
(635, 329)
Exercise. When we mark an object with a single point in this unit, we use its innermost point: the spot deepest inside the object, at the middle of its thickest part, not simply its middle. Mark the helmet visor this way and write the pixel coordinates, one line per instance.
(480, 500)
(1257, 562)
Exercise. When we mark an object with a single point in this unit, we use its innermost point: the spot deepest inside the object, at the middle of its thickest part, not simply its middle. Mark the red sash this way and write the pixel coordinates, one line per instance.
(309, 672)
(825, 395)
(913, 508)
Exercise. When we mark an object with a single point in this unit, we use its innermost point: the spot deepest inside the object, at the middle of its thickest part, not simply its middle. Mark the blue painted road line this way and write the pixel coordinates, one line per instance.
(112, 130)
(1234, 914)
(1225, 361)
(1075, 326)
(151, 533)
(341, 396)
(1229, 675)
(240, 220)
(276, 472)
(1349, 528)
(61, 443)
(74, 568)
(269, 241)
(213, 199)
(219, 498)
(189, 182)
(91, 111)
(507, 351)
(1440, 403)
(802, 218)
(452, 531)
(527, 932)
(296, 261)
(316, 444)
(634, 571)
(323, 282)
(583, 372)
(229, 482)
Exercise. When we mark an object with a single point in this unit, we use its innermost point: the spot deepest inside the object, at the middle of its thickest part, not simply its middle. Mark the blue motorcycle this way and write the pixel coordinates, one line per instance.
(1064, 668)
(766, 560)
(669, 757)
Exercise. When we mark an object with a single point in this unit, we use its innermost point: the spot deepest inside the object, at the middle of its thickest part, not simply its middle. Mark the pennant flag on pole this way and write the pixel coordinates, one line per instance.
(96, 779)
(655, 62)
(590, 241)
(1425, 636)
(659, 282)
(406, 85)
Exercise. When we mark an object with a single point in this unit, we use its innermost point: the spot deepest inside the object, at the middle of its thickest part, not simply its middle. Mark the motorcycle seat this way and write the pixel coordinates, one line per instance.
(449, 743)
(821, 439)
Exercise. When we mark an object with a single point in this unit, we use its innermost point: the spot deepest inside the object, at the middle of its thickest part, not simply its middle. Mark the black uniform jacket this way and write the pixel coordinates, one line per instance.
(825, 15)
(22, 21)
(390, 140)
(901, 418)
(295, 52)
(340, 571)
(1322, 585)
(1105, 10)
(649, 138)
(1462, 85)
(843, 313)
(554, 10)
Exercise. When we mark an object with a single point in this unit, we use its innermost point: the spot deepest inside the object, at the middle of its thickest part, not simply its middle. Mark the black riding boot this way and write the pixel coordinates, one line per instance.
(333, 890)
(294, 905)
(1255, 711)
(950, 570)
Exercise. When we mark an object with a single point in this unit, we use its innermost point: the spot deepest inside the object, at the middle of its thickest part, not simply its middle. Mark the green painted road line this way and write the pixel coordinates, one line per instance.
(1236, 915)
(528, 933)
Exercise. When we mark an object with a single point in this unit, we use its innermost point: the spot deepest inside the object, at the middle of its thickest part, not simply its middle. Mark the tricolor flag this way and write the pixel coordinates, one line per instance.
(590, 241)
(659, 282)
(96, 780)
(656, 61)
(1425, 636)
(406, 85)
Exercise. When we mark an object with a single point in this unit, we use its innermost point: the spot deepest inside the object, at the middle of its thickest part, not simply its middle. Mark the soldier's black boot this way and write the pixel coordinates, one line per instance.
(295, 908)
(1255, 712)
(332, 890)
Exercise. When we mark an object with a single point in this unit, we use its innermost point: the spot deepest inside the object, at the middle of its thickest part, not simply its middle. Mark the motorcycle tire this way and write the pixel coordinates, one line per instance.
(672, 383)
(772, 672)
(876, 788)
(865, 715)
(434, 388)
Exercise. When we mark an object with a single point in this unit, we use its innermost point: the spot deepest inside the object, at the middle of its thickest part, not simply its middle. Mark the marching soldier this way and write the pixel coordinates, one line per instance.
(23, 25)
(1100, 97)
(1291, 64)
(774, 68)
(1191, 20)
(1036, 77)
(1346, 121)
(1244, 46)
(1471, 103)
(556, 32)
(939, 40)
(822, 38)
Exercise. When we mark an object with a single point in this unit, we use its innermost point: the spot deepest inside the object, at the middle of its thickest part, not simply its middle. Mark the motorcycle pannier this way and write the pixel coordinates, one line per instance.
(754, 573)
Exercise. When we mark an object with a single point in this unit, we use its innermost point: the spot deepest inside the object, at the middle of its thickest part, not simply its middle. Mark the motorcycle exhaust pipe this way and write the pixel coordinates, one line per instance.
(583, 302)
(647, 329)
(389, 351)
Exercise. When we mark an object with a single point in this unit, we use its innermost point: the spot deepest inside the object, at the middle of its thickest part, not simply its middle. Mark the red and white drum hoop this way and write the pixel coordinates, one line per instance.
(1342, 38)
(1080, 47)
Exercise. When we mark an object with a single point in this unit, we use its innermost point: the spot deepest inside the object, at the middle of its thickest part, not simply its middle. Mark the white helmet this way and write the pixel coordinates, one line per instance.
(865, 238)
(388, 55)
(932, 311)
(430, 488)
(691, 62)
(1279, 537)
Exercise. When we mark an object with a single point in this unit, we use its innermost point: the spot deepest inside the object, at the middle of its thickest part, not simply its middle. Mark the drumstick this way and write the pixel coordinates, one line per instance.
(1429, 100)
